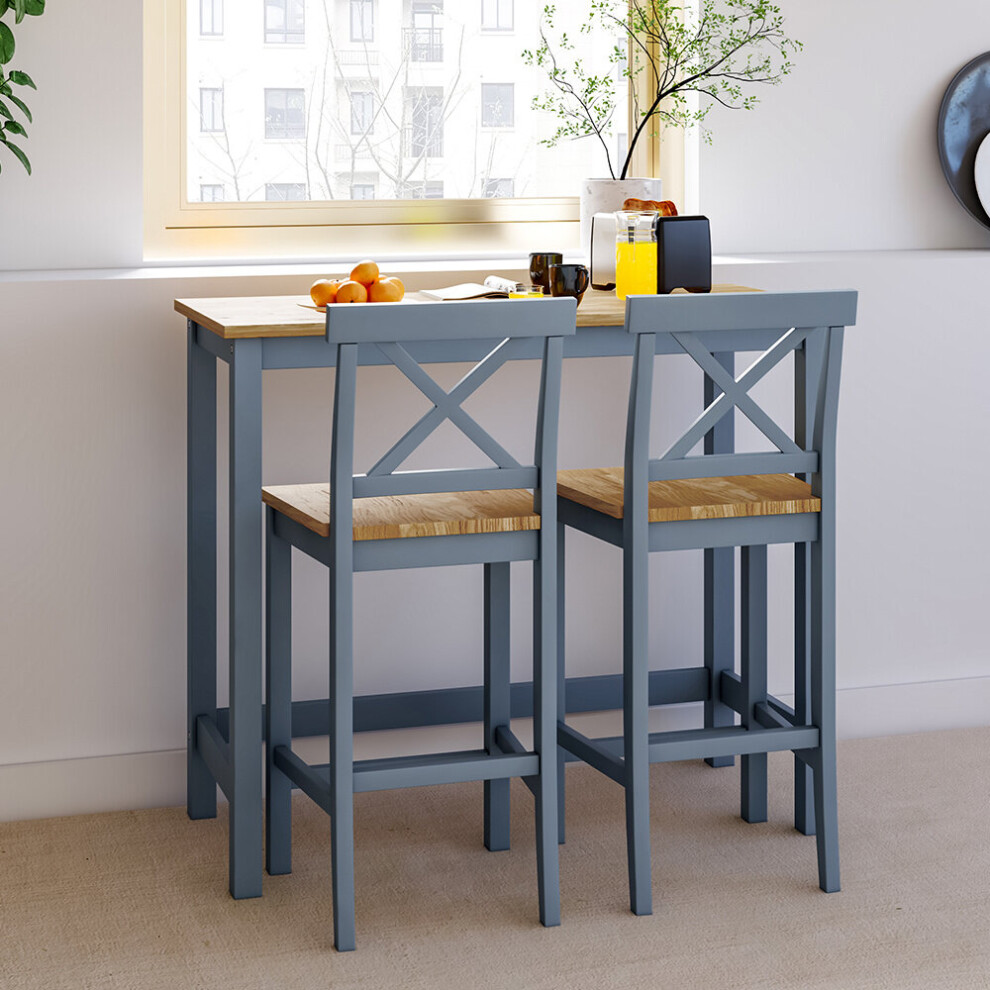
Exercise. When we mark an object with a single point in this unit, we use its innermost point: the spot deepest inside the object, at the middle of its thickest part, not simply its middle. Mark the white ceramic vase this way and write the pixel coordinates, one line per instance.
(607, 196)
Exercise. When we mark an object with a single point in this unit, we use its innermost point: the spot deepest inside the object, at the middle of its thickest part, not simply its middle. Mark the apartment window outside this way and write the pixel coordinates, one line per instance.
(210, 18)
(362, 112)
(429, 189)
(285, 22)
(425, 108)
(211, 193)
(211, 110)
(362, 190)
(285, 113)
(498, 105)
(424, 40)
(286, 192)
(497, 15)
(362, 20)
(499, 188)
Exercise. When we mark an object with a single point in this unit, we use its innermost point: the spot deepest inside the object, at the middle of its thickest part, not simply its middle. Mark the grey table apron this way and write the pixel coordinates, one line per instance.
(224, 745)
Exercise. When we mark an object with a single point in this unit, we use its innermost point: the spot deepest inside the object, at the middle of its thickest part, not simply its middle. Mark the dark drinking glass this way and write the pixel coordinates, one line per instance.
(569, 280)
(539, 268)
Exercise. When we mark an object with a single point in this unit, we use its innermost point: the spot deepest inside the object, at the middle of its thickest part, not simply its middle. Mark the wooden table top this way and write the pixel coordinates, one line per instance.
(295, 316)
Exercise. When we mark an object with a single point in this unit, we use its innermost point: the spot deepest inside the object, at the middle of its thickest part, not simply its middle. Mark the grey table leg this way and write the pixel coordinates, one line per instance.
(201, 568)
(497, 707)
(245, 619)
(719, 584)
(561, 681)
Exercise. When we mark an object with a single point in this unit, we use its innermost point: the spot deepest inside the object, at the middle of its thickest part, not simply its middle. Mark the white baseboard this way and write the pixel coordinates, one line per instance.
(152, 780)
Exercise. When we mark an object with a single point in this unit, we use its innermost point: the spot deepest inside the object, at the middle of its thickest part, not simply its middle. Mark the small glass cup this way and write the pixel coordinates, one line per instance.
(524, 290)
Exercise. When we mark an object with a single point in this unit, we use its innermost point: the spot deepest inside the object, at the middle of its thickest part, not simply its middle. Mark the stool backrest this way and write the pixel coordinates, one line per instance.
(505, 330)
(775, 324)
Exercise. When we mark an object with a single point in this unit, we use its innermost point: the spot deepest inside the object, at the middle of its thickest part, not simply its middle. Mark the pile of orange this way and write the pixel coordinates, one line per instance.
(366, 284)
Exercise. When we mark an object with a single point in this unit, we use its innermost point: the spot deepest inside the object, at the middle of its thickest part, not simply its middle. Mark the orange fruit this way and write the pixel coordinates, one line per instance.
(386, 290)
(324, 291)
(352, 292)
(365, 272)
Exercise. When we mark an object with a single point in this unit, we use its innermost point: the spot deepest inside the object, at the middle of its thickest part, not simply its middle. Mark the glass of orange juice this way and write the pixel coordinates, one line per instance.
(526, 291)
(635, 253)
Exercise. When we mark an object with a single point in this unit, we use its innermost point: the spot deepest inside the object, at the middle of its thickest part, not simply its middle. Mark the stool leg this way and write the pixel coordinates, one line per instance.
(278, 694)
(720, 608)
(823, 703)
(545, 726)
(497, 698)
(635, 721)
(804, 803)
(561, 684)
(753, 616)
(342, 756)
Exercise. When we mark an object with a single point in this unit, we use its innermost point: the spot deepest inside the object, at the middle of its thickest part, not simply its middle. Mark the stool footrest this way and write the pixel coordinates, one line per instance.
(215, 751)
(507, 742)
(406, 771)
(596, 752)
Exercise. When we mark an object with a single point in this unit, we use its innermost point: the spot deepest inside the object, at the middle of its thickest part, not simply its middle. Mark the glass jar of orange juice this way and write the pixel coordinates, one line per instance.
(635, 253)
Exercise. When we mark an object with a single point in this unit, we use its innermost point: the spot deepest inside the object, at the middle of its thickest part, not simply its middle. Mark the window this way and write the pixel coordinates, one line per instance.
(362, 20)
(285, 192)
(362, 190)
(496, 15)
(424, 40)
(425, 109)
(210, 18)
(285, 22)
(499, 188)
(428, 189)
(210, 110)
(211, 193)
(285, 113)
(497, 105)
(362, 112)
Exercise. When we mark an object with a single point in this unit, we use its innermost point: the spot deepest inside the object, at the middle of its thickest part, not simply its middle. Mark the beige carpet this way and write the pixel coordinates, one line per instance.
(138, 900)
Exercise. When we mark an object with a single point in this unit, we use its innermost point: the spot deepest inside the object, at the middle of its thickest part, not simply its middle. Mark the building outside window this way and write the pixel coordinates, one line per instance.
(425, 110)
(498, 104)
(362, 112)
(210, 110)
(424, 39)
(497, 15)
(362, 190)
(285, 113)
(285, 22)
(430, 189)
(362, 20)
(286, 192)
(210, 193)
(499, 188)
(210, 18)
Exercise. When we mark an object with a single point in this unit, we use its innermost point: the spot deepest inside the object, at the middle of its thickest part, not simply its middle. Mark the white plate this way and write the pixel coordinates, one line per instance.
(981, 170)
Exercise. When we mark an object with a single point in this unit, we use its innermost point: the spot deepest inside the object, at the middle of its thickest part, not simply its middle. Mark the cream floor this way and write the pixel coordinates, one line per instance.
(138, 900)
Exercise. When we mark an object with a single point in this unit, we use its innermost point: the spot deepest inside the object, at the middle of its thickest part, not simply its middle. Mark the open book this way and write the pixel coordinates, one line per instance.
(494, 288)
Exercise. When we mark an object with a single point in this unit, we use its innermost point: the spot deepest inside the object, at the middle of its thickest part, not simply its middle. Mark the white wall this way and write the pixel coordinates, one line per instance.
(92, 629)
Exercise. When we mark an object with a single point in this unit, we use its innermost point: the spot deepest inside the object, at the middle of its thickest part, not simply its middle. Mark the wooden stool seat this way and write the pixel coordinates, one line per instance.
(398, 517)
(601, 489)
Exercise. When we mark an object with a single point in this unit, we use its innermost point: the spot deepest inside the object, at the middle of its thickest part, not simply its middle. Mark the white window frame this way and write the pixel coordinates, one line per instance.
(497, 6)
(366, 25)
(286, 91)
(215, 10)
(179, 229)
(297, 37)
(215, 98)
(485, 104)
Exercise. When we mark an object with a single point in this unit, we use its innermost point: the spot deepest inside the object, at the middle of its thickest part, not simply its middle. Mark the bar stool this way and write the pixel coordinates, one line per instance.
(387, 519)
(702, 501)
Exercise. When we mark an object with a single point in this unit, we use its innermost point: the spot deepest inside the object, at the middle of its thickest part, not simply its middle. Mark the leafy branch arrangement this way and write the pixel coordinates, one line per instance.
(9, 125)
(665, 50)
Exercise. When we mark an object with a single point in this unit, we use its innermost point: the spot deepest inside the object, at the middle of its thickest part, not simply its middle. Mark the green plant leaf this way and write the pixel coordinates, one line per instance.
(19, 11)
(34, 8)
(22, 78)
(15, 128)
(20, 156)
(6, 44)
(23, 107)
(5, 111)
